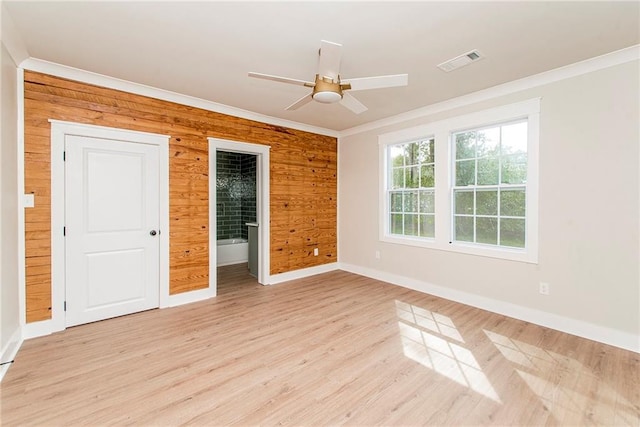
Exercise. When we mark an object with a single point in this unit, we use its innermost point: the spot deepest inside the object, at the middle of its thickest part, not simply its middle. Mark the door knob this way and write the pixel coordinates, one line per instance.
(153, 232)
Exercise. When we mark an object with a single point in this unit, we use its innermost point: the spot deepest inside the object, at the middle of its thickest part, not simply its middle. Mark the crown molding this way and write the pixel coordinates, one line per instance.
(618, 57)
(59, 70)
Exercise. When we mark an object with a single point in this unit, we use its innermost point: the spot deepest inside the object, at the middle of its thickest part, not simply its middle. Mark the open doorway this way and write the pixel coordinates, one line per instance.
(238, 209)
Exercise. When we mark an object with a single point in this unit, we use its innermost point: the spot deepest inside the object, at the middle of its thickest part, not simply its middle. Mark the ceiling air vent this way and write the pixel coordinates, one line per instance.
(460, 61)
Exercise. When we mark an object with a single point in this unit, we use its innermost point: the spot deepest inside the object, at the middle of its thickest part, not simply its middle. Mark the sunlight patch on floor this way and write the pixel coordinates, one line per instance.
(437, 352)
(428, 320)
(552, 377)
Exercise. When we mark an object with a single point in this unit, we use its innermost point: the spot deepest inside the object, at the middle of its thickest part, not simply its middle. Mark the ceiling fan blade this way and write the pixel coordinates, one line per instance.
(352, 103)
(377, 82)
(281, 79)
(300, 102)
(329, 63)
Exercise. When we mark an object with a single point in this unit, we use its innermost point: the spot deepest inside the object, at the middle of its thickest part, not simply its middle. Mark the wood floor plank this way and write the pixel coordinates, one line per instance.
(333, 349)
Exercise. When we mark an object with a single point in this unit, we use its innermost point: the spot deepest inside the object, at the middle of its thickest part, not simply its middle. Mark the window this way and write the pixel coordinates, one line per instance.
(489, 194)
(466, 184)
(411, 189)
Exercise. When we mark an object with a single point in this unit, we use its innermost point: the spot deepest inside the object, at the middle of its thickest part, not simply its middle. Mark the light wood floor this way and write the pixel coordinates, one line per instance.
(334, 349)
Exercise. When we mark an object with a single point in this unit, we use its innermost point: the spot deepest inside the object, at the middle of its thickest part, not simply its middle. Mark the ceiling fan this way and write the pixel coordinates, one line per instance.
(329, 88)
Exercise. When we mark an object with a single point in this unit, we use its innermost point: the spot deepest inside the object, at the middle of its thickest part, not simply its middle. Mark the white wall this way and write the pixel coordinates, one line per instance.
(589, 245)
(10, 333)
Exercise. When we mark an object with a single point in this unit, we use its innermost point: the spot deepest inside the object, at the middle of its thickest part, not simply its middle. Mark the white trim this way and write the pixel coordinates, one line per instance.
(213, 222)
(59, 131)
(38, 329)
(262, 209)
(191, 296)
(303, 272)
(10, 350)
(338, 165)
(614, 337)
(163, 176)
(74, 128)
(22, 289)
(224, 264)
(441, 131)
(618, 57)
(611, 59)
(76, 74)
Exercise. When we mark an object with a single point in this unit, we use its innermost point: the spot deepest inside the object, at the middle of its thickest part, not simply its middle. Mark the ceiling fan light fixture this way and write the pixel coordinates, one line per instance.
(326, 90)
(327, 97)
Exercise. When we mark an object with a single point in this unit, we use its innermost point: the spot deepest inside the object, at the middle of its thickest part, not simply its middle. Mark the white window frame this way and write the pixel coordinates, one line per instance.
(405, 189)
(442, 131)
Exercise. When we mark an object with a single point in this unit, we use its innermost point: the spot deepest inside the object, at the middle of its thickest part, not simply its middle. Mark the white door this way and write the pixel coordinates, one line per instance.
(111, 225)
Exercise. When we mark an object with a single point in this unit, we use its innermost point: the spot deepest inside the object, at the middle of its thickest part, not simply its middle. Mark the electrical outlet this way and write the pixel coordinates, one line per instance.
(377, 254)
(544, 288)
(315, 251)
(28, 200)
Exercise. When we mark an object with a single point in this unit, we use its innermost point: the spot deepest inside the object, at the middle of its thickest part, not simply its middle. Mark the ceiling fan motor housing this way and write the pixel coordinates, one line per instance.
(327, 91)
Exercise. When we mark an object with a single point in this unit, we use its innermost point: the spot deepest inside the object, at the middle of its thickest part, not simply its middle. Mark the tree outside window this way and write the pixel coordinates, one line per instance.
(411, 188)
(489, 193)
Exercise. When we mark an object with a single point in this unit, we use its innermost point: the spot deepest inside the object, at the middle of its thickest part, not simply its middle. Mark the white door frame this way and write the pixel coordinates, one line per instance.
(263, 204)
(59, 131)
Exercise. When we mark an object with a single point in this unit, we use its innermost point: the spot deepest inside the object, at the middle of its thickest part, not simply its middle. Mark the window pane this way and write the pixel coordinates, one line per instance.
(512, 232)
(396, 155)
(411, 201)
(465, 145)
(410, 225)
(426, 151)
(487, 202)
(488, 142)
(411, 177)
(488, 171)
(514, 169)
(514, 138)
(427, 178)
(465, 172)
(411, 154)
(489, 194)
(427, 226)
(487, 230)
(396, 224)
(411, 167)
(427, 204)
(397, 178)
(512, 202)
(464, 228)
(396, 201)
(464, 202)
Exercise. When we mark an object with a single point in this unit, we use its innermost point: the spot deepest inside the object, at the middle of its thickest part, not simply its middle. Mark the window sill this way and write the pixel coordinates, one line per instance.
(519, 255)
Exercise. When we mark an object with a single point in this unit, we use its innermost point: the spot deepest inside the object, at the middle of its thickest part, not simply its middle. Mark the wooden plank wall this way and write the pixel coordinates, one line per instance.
(303, 180)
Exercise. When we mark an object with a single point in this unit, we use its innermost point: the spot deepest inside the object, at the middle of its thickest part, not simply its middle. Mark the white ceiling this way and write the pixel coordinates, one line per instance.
(205, 49)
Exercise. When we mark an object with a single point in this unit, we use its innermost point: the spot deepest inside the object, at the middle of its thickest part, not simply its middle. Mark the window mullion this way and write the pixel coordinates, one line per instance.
(499, 214)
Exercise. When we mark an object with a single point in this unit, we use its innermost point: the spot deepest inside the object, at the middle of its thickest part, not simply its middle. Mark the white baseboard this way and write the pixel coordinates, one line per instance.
(571, 326)
(47, 327)
(580, 328)
(192, 296)
(9, 351)
(234, 262)
(302, 273)
(39, 329)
